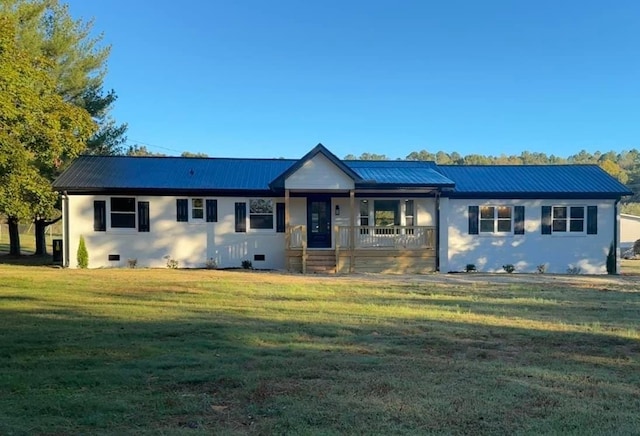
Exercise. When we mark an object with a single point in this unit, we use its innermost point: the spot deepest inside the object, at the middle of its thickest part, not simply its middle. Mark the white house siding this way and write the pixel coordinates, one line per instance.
(319, 173)
(629, 230)
(488, 252)
(193, 243)
(190, 243)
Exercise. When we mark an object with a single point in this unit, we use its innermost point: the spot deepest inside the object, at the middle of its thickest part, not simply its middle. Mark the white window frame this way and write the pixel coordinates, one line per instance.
(250, 214)
(496, 219)
(192, 208)
(134, 213)
(568, 220)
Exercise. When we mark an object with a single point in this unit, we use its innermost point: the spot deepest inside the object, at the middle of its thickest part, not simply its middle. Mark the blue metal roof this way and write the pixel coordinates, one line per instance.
(533, 180)
(104, 173)
(402, 173)
(170, 173)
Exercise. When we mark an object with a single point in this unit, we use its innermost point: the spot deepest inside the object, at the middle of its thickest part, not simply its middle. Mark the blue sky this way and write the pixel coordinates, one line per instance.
(274, 78)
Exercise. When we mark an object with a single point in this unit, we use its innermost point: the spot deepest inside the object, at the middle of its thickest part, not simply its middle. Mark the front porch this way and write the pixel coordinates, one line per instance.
(365, 249)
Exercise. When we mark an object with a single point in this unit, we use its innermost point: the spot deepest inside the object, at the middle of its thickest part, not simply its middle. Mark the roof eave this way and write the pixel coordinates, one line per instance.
(536, 195)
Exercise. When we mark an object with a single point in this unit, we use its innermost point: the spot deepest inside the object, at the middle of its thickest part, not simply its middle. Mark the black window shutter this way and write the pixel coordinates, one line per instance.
(546, 220)
(592, 220)
(241, 217)
(518, 220)
(473, 220)
(212, 211)
(280, 217)
(182, 210)
(100, 216)
(143, 216)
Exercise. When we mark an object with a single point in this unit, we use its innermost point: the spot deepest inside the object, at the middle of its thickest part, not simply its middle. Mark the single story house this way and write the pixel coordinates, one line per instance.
(321, 213)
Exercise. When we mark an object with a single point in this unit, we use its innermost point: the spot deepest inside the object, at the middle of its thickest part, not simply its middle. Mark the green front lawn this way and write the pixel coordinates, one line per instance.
(172, 352)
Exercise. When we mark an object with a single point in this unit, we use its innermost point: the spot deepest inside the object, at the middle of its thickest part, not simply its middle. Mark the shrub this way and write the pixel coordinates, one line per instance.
(470, 268)
(132, 263)
(171, 262)
(509, 268)
(246, 264)
(542, 268)
(611, 260)
(574, 270)
(83, 254)
(211, 263)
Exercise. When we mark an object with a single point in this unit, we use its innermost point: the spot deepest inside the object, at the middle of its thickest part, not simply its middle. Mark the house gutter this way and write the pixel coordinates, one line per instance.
(616, 237)
(438, 231)
(65, 230)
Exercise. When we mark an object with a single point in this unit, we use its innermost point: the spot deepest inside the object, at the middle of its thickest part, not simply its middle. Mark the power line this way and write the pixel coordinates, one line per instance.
(136, 142)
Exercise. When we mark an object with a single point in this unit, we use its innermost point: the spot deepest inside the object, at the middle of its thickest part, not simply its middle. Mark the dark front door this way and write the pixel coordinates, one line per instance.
(319, 222)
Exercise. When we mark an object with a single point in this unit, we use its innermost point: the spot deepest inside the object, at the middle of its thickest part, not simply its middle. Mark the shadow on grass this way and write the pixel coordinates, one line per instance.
(27, 260)
(67, 371)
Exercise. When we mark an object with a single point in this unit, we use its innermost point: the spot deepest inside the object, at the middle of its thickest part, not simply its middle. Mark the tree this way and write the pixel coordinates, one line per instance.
(38, 131)
(77, 66)
(422, 155)
(140, 150)
(190, 154)
(615, 170)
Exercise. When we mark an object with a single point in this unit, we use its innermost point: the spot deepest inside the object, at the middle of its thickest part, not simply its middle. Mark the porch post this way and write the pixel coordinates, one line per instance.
(286, 209)
(352, 228)
(287, 235)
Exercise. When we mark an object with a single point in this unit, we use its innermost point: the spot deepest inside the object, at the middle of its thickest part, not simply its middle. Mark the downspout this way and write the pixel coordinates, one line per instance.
(65, 230)
(616, 237)
(438, 230)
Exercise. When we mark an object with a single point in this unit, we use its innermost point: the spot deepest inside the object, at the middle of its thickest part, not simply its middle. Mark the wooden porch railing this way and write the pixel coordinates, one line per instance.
(408, 237)
(296, 237)
(391, 237)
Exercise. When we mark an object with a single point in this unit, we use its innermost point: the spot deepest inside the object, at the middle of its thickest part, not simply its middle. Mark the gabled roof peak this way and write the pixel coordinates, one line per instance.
(278, 182)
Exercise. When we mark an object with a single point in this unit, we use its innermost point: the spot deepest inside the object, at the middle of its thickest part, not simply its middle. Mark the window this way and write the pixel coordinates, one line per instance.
(386, 214)
(261, 214)
(364, 216)
(364, 212)
(495, 219)
(567, 219)
(197, 209)
(100, 216)
(408, 213)
(123, 212)
(241, 217)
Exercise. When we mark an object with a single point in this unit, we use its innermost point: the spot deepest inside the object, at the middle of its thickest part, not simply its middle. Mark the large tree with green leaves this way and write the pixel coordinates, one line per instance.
(77, 66)
(39, 130)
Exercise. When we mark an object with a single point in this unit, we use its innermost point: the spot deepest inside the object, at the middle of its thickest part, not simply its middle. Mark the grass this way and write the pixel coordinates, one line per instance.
(201, 352)
(630, 266)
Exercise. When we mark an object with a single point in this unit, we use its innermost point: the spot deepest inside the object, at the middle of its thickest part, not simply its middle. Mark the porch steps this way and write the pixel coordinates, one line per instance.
(321, 261)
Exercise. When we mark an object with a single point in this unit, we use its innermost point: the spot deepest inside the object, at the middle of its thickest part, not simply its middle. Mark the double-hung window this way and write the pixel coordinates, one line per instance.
(197, 209)
(496, 220)
(569, 220)
(261, 213)
(123, 212)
